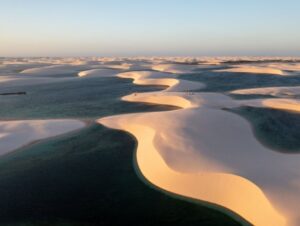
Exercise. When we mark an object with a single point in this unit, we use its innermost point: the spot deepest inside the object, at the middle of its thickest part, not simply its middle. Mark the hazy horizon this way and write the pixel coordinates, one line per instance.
(138, 28)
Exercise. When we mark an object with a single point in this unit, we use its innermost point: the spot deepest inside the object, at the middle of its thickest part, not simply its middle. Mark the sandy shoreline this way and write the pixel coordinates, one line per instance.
(213, 206)
(169, 154)
(16, 134)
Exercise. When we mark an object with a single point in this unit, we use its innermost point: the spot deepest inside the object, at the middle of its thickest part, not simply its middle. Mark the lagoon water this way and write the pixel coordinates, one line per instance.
(87, 177)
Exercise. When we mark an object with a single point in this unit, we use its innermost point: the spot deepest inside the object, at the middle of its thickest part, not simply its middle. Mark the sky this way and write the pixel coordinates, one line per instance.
(149, 27)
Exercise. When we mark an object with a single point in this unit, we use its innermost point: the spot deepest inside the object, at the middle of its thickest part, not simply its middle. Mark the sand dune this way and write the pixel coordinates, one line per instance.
(98, 72)
(227, 190)
(176, 68)
(295, 67)
(174, 156)
(286, 63)
(282, 104)
(274, 103)
(266, 68)
(133, 66)
(204, 152)
(160, 78)
(254, 70)
(4, 79)
(273, 91)
(50, 70)
(159, 99)
(15, 134)
(124, 66)
(16, 81)
(186, 159)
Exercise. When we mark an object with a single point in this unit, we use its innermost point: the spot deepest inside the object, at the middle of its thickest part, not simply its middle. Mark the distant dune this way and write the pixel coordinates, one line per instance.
(172, 68)
(265, 68)
(273, 91)
(254, 70)
(50, 70)
(98, 72)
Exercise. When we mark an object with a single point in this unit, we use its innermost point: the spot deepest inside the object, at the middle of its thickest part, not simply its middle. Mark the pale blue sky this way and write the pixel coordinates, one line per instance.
(152, 27)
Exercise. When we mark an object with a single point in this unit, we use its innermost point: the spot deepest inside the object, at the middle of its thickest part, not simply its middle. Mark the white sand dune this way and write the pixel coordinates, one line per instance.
(233, 192)
(16, 81)
(177, 68)
(132, 66)
(282, 104)
(124, 66)
(254, 70)
(266, 68)
(4, 79)
(173, 157)
(129, 62)
(272, 91)
(160, 78)
(15, 134)
(293, 67)
(204, 152)
(12, 68)
(98, 73)
(50, 70)
(155, 98)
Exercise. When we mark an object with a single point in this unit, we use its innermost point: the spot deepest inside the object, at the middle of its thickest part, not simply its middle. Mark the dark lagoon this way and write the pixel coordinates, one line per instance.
(86, 177)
